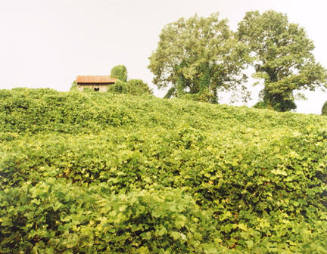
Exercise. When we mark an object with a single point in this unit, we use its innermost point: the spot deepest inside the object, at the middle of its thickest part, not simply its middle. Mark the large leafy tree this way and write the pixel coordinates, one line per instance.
(197, 56)
(282, 57)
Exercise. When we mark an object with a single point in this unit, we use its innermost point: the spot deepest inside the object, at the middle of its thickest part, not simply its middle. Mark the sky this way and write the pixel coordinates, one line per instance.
(47, 43)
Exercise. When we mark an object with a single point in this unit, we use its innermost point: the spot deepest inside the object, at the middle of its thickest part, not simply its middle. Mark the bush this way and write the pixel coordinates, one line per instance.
(133, 86)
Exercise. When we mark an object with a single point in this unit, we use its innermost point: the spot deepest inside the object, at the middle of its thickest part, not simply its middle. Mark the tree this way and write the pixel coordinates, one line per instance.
(282, 56)
(197, 56)
(119, 72)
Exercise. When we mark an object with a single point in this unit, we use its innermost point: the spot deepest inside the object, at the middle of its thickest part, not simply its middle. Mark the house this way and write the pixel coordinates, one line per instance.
(96, 83)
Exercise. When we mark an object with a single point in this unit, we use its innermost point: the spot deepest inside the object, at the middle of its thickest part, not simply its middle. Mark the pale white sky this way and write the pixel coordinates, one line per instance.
(47, 43)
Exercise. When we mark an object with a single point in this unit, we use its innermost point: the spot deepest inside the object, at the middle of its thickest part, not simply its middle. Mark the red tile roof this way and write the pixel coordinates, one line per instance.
(95, 80)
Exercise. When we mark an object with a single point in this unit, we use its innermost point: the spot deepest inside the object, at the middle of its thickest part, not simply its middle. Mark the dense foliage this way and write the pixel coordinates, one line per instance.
(119, 72)
(132, 86)
(114, 173)
(282, 57)
(197, 56)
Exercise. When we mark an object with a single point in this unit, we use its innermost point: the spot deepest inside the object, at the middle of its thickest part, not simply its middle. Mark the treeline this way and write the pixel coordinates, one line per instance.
(199, 56)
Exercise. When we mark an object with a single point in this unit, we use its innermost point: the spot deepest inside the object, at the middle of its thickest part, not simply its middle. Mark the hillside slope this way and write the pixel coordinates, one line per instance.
(92, 172)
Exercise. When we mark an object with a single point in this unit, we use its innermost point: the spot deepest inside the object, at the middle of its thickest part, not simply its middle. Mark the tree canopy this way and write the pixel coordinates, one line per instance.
(282, 56)
(119, 72)
(197, 56)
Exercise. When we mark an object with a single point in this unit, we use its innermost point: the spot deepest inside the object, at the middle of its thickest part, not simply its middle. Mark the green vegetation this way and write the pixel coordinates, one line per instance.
(282, 57)
(73, 87)
(115, 173)
(132, 86)
(198, 56)
(119, 72)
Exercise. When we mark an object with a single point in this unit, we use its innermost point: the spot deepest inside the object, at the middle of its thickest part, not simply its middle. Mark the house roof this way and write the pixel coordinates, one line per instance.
(95, 80)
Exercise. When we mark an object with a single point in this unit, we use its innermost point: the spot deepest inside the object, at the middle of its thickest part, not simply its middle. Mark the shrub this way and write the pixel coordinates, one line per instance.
(133, 86)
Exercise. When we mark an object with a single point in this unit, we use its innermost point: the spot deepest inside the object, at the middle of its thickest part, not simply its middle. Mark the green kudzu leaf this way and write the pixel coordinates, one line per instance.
(279, 172)
(175, 235)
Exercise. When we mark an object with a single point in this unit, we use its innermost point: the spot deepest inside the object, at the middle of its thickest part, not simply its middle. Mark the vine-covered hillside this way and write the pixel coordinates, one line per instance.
(101, 172)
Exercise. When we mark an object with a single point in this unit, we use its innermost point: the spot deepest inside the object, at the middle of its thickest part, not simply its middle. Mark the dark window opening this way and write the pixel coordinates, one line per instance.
(96, 89)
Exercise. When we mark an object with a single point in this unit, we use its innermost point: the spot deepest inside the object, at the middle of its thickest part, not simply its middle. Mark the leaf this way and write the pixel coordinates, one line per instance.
(279, 172)
(175, 235)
